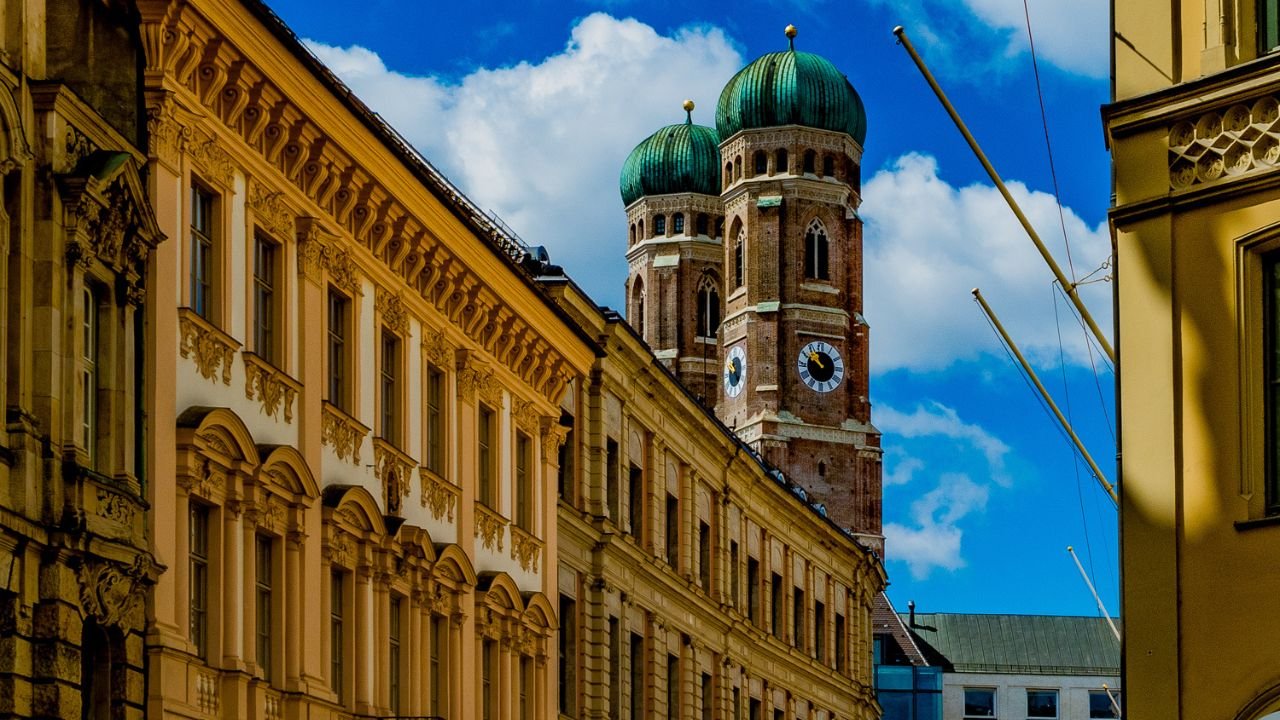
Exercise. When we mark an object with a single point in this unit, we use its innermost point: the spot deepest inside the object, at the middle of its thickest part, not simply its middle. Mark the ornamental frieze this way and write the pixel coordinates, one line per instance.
(437, 348)
(390, 306)
(343, 434)
(490, 527)
(525, 415)
(318, 252)
(270, 386)
(525, 549)
(116, 507)
(212, 350)
(1225, 142)
(114, 594)
(438, 495)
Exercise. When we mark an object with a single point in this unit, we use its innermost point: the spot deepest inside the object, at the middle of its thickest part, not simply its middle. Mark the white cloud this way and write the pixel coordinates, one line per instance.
(968, 39)
(901, 467)
(937, 419)
(920, 267)
(537, 142)
(934, 538)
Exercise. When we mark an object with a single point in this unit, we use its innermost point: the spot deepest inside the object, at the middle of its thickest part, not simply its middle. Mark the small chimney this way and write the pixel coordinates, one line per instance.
(911, 613)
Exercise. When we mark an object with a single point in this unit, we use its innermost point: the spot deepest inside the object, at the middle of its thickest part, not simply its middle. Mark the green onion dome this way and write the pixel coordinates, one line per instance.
(676, 159)
(791, 88)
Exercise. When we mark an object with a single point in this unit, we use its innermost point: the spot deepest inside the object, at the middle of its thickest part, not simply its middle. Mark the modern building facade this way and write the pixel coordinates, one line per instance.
(1021, 666)
(754, 223)
(1194, 223)
(77, 234)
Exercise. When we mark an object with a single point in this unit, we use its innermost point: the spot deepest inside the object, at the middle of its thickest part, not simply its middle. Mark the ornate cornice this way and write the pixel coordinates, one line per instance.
(270, 386)
(212, 350)
(343, 433)
(439, 495)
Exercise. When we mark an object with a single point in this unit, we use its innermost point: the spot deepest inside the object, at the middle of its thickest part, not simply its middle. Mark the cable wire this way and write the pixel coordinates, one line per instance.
(1075, 462)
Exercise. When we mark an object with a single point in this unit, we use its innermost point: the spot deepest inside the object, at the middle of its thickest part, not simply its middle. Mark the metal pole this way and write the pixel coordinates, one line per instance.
(1112, 697)
(1093, 590)
(1045, 394)
(1067, 285)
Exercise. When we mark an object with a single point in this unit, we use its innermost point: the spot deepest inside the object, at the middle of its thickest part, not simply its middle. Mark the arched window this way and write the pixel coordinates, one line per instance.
(631, 240)
(762, 162)
(700, 225)
(640, 230)
(637, 303)
(815, 251)
(828, 166)
(719, 227)
(708, 307)
(677, 224)
(738, 248)
(737, 168)
(728, 174)
(659, 225)
(810, 162)
(780, 161)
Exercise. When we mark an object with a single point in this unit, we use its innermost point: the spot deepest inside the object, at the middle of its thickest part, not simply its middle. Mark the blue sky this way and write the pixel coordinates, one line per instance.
(531, 106)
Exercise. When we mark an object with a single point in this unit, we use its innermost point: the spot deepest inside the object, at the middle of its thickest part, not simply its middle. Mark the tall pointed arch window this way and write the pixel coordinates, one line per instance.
(708, 307)
(738, 249)
(637, 303)
(816, 251)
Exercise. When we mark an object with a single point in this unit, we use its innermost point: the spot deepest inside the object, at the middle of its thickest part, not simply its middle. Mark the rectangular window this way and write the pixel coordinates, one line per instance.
(568, 656)
(524, 482)
(339, 330)
(637, 676)
(733, 573)
(1104, 704)
(438, 676)
(673, 687)
(393, 654)
(1268, 25)
(198, 593)
(673, 532)
(488, 659)
(526, 689)
(737, 704)
(484, 457)
(337, 638)
(753, 590)
(635, 496)
(704, 556)
(264, 299)
(615, 668)
(1271, 341)
(979, 702)
(754, 712)
(89, 373)
(820, 631)
(262, 571)
(1042, 703)
(390, 384)
(842, 660)
(435, 420)
(202, 252)
(564, 476)
(776, 621)
(797, 618)
(611, 479)
(708, 704)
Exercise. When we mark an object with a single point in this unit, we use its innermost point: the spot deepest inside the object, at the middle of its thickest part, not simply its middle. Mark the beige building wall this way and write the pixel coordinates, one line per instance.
(1192, 132)
(692, 583)
(354, 439)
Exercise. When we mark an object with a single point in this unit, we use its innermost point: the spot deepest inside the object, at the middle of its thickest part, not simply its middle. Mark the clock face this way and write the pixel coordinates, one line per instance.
(820, 366)
(735, 371)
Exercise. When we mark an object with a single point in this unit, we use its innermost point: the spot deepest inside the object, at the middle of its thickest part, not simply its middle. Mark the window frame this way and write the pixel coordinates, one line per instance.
(395, 655)
(199, 568)
(435, 402)
(817, 251)
(1046, 692)
(265, 599)
(268, 332)
(391, 387)
(964, 702)
(90, 360)
(1106, 695)
(338, 350)
(525, 497)
(203, 249)
(486, 452)
(338, 631)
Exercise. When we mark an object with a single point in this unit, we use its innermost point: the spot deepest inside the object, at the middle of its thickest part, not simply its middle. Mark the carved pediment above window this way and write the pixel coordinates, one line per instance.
(390, 306)
(270, 210)
(437, 347)
(525, 415)
(107, 215)
(211, 349)
(320, 251)
(343, 433)
(270, 386)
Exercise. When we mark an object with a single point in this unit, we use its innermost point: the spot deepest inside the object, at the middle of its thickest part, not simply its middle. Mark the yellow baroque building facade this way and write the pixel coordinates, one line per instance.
(696, 581)
(293, 429)
(1192, 131)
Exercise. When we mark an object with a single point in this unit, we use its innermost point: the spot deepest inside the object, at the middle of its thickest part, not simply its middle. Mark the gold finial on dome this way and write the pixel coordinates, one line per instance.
(791, 35)
(688, 108)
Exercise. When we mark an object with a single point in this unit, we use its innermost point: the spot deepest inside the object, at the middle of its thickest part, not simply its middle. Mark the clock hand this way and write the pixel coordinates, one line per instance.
(813, 356)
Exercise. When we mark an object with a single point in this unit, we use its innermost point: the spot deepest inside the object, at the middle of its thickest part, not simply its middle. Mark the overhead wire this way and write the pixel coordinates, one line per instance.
(1075, 462)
